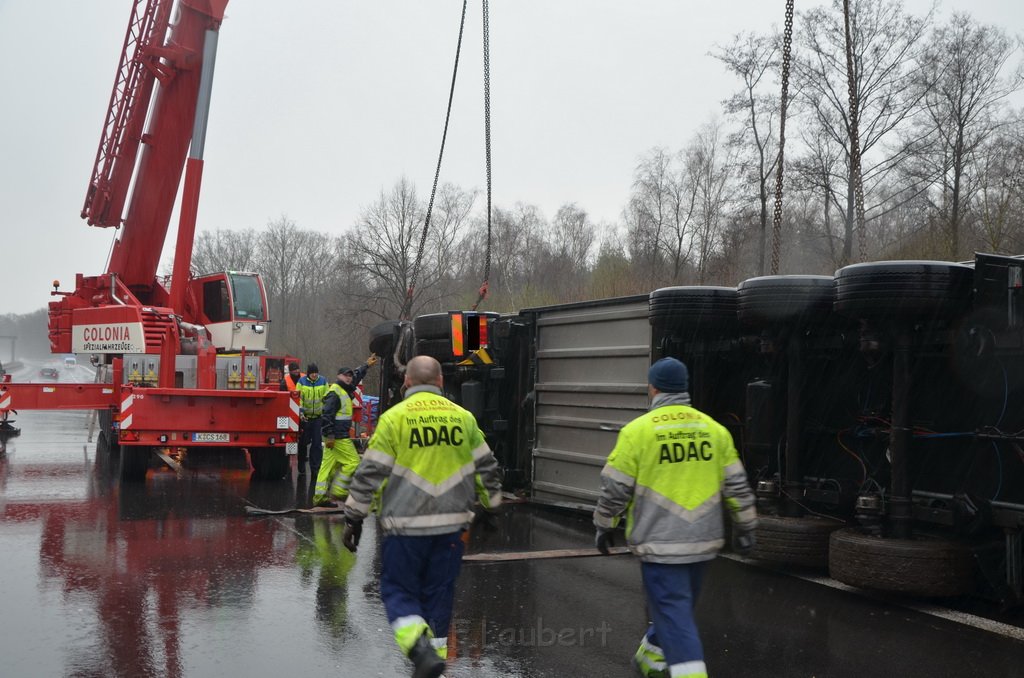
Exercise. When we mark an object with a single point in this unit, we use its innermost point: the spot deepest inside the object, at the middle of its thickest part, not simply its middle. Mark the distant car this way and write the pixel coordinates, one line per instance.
(49, 373)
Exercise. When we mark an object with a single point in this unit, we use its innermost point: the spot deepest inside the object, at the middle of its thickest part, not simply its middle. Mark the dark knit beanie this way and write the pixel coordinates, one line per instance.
(669, 375)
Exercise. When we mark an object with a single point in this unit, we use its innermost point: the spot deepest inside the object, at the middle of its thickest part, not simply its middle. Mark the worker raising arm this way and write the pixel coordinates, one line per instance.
(340, 456)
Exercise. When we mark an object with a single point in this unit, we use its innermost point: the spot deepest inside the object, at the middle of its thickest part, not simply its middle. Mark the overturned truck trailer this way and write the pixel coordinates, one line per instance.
(879, 412)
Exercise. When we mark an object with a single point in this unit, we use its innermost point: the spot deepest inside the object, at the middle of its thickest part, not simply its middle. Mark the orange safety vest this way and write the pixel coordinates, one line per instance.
(291, 385)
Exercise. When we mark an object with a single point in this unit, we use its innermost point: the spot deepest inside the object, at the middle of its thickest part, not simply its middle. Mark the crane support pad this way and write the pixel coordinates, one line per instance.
(502, 557)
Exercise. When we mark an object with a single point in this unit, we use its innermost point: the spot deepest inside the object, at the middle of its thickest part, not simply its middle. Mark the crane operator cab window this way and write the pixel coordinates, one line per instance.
(234, 310)
(248, 294)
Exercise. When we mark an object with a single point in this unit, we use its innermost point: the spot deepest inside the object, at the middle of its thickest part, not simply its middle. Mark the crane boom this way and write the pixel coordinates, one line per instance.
(136, 255)
(126, 114)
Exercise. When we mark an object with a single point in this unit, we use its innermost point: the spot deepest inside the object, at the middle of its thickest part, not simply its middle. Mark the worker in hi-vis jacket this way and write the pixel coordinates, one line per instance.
(340, 456)
(432, 462)
(671, 471)
(312, 389)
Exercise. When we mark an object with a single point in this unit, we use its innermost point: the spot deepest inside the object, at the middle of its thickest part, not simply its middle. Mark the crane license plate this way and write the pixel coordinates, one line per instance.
(211, 437)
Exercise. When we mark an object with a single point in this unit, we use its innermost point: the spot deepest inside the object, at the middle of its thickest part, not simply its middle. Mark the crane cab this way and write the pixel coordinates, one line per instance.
(233, 307)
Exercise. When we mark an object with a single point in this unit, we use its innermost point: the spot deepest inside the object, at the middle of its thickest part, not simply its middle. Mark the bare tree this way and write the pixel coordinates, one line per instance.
(613, 273)
(278, 262)
(445, 260)
(707, 169)
(299, 268)
(885, 44)
(517, 240)
(1001, 198)
(752, 58)
(649, 212)
(963, 87)
(225, 250)
(571, 242)
(384, 248)
(820, 174)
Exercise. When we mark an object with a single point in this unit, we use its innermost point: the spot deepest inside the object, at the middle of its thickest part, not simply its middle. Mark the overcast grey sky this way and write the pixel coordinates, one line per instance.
(319, 104)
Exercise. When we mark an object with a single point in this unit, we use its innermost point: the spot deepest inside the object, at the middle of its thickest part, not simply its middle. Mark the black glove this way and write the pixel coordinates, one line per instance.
(743, 541)
(603, 540)
(353, 531)
(485, 520)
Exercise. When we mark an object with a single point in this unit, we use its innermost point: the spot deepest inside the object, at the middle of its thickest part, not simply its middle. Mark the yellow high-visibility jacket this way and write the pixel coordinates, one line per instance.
(433, 463)
(312, 393)
(670, 473)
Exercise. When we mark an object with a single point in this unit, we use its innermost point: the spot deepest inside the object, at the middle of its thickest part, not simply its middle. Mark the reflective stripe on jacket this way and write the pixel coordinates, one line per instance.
(313, 393)
(436, 463)
(670, 472)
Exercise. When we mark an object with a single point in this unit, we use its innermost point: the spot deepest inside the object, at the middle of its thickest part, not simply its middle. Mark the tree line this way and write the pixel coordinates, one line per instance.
(942, 165)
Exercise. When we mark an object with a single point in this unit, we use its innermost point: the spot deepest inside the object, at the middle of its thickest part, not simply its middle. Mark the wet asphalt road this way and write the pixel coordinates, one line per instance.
(169, 578)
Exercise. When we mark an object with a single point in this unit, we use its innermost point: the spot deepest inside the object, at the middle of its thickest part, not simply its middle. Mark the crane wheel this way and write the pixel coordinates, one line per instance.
(134, 463)
(269, 463)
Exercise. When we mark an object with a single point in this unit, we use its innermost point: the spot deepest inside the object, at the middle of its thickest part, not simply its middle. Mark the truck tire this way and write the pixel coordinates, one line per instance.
(382, 337)
(884, 290)
(269, 463)
(134, 463)
(694, 310)
(432, 326)
(924, 566)
(794, 541)
(785, 299)
(441, 349)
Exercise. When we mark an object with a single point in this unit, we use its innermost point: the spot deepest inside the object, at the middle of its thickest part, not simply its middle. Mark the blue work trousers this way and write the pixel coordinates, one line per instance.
(418, 578)
(312, 439)
(672, 591)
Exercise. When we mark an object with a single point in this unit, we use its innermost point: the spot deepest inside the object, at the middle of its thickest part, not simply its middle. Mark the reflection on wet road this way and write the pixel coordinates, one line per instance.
(169, 578)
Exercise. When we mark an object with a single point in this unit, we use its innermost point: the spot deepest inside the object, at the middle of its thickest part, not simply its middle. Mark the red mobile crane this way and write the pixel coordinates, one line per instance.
(188, 368)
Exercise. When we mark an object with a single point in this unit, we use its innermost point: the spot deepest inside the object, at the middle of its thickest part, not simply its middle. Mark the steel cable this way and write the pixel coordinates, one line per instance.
(407, 306)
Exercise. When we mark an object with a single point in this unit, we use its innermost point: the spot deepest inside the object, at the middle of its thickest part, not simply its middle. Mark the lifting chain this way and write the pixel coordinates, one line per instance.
(487, 145)
(407, 305)
(855, 174)
(787, 48)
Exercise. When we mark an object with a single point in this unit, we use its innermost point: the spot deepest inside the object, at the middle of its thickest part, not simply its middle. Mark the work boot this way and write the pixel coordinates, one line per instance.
(646, 672)
(649, 662)
(426, 663)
